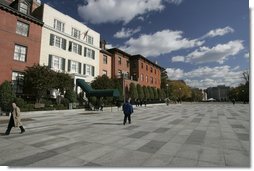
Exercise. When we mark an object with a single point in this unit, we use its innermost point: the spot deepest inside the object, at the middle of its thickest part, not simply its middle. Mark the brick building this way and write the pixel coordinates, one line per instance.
(20, 40)
(105, 60)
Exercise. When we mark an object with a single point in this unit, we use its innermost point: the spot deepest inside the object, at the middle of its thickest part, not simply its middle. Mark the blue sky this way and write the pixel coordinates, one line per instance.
(204, 42)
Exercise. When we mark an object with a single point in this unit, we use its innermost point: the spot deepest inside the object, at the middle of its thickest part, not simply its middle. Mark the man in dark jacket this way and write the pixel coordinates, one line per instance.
(127, 110)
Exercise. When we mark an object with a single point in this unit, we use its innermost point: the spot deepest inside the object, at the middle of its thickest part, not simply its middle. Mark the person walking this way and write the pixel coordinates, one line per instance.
(127, 110)
(15, 120)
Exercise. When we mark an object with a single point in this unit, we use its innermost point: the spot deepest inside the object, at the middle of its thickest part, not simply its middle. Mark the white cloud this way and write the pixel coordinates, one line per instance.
(219, 53)
(126, 32)
(205, 77)
(141, 18)
(109, 46)
(178, 59)
(247, 55)
(104, 11)
(159, 43)
(219, 32)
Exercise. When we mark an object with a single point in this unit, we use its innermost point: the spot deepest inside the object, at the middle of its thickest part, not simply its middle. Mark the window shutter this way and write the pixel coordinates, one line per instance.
(85, 51)
(69, 65)
(80, 49)
(63, 64)
(64, 44)
(92, 70)
(70, 46)
(79, 68)
(93, 54)
(84, 69)
(51, 41)
(50, 61)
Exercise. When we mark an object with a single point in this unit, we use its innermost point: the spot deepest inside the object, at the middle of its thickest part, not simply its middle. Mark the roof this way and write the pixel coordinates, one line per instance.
(113, 50)
(147, 60)
(6, 7)
(106, 52)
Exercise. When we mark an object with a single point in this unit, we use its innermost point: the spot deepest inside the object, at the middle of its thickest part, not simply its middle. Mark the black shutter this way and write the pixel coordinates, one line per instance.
(80, 49)
(93, 54)
(50, 61)
(92, 70)
(70, 46)
(85, 51)
(63, 64)
(69, 65)
(64, 44)
(79, 68)
(51, 41)
(84, 69)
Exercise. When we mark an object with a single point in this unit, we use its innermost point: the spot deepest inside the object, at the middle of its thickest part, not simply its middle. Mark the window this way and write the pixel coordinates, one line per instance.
(146, 67)
(89, 39)
(56, 63)
(104, 72)
(20, 53)
(58, 25)
(22, 28)
(151, 69)
(57, 41)
(76, 48)
(142, 65)
(146, 78)
(90, 70)
(119, 60)
(23, 7)
(17, 81)
(155, 71)
(119, 74)
(151, 78)
(128, 63)
(155, 81)
(75, 33)
(142, 77)
(74, 66)
(105, 59)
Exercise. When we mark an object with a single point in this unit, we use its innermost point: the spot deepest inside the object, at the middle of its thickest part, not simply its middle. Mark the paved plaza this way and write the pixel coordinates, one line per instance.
(178, 135)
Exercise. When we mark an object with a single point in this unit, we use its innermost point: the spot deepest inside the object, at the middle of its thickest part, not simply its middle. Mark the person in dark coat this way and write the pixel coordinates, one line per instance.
(15, 120)
(127, 110)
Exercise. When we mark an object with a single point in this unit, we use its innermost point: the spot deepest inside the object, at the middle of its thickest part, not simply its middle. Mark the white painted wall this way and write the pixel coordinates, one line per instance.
(49, 14)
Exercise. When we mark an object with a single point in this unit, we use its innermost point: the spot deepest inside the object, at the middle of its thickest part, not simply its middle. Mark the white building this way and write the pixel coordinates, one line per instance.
(68, 45)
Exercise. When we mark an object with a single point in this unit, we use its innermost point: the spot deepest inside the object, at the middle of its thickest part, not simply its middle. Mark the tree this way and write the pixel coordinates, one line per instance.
(179, 90)
(146, 92)
(102, 82)
(6, 96)
(140, 92)
(133, 91)
(155, 92)
(151, 92)
(162, 93)
(196, 95)
(63, 82)
(38, 80)
(71, 96)
(164, 79)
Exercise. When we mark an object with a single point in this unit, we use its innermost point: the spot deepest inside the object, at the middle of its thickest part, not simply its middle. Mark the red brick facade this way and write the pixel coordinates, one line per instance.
(9, 38)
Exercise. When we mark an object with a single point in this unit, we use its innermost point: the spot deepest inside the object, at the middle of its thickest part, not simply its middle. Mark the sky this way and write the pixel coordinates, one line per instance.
(203, 42)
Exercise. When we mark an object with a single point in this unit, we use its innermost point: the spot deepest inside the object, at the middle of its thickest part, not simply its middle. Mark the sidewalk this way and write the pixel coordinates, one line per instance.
(184, 135)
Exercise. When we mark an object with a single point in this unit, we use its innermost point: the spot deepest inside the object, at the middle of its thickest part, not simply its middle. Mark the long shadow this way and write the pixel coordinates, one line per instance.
(100, 123)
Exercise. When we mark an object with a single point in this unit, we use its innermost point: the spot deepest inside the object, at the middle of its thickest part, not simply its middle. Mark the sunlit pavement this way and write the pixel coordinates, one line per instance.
(178, 135)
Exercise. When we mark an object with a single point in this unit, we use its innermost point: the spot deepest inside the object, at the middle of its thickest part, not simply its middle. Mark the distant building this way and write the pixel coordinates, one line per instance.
(105, 60)
(20, 40)
(204, 94)
(219, 93)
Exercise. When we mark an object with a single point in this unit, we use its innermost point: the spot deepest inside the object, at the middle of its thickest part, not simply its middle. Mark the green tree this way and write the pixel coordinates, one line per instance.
(146, 92)
(162, 94)
(151, 92)
(6, 96)
(38, 80)
(164, 79)
(71, 96)
(179, 90)
(140, 92)
(133, 91)
(63, 82)
(155, 92)
(102, 82)
(196, 95)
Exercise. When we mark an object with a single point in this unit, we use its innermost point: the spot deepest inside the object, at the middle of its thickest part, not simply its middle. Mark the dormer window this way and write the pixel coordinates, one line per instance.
(23, 7)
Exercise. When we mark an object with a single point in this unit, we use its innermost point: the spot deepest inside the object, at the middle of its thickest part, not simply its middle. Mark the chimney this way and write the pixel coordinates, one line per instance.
(35, 4)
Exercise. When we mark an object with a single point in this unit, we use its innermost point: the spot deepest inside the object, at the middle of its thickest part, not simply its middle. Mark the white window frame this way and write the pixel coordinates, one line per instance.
(59, 25)
(88, 69)
(75, 33)
(74, 67)
(89, 39)
(105, 59)
(20, 53)
(57, 63)
(22, 28)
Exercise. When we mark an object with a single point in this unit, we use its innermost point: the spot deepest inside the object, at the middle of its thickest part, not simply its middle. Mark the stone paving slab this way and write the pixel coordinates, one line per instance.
(178, 135)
